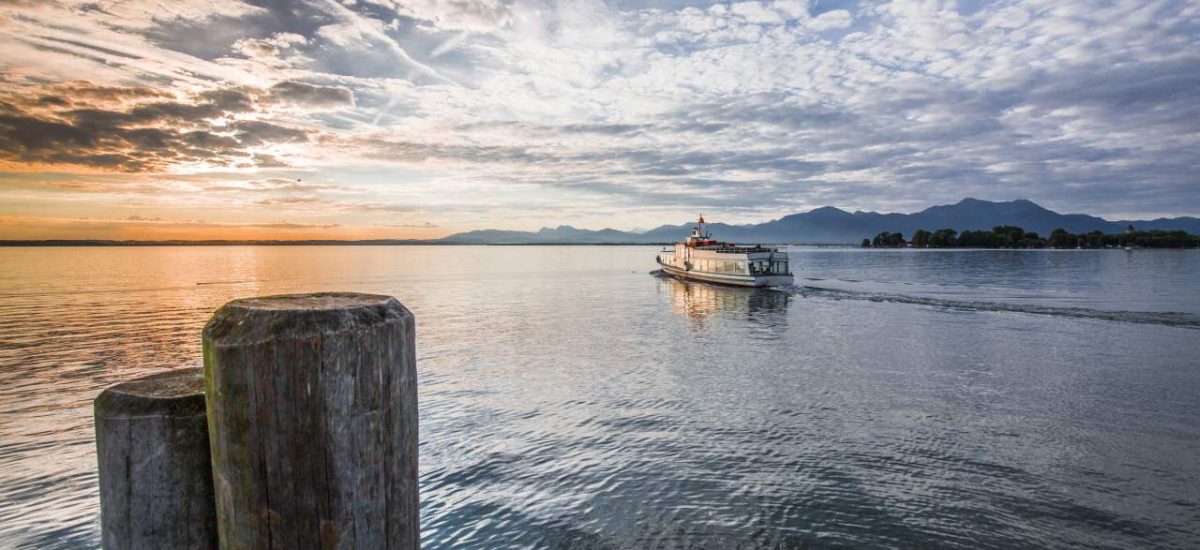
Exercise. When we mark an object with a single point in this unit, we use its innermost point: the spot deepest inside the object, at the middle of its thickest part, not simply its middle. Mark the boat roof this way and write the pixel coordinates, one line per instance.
(735, 249)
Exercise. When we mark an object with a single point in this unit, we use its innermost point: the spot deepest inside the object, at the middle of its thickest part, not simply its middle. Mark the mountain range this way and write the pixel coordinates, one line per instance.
(829, 225)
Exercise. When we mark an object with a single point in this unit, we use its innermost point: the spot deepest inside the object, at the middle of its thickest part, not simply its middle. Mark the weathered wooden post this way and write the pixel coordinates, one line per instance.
(155, 477)
(312, 407)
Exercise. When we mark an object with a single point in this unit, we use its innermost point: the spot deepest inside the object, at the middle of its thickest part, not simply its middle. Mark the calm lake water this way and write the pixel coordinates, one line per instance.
(570, 399)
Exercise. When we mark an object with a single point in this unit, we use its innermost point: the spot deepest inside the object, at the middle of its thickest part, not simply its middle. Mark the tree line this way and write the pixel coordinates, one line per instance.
(1011, 236)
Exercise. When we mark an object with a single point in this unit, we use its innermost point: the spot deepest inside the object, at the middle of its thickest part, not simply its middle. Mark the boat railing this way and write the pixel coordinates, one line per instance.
(743, 249)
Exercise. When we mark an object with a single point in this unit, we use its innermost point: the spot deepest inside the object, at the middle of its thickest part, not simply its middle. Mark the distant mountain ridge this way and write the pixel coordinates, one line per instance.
(829, 225)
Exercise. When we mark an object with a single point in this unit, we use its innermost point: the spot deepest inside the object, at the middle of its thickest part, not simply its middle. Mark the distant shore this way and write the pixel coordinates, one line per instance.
(1011, 236)
(52, 243)
(383, 242)
(373, 242)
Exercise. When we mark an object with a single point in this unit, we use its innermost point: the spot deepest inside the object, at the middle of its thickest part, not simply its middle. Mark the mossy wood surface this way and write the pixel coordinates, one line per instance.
(156, 485)
(312, 406)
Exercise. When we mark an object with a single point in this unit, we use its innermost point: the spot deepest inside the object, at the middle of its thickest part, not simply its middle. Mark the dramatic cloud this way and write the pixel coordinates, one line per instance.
(308, 94)
(138, 129)
(476, 113)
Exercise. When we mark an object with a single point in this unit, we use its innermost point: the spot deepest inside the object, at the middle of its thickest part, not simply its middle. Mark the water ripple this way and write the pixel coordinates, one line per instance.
(570, 401)
(1169, 318)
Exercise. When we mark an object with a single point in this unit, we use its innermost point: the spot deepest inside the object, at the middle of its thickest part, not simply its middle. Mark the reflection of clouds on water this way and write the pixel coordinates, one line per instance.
(572, 400)
(699, 301)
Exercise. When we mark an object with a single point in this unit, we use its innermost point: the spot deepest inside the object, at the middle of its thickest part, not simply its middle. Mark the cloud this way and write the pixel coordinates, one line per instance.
(489, 112)
(85, 92)
(263, 160)
(757, 13)
(311, 95)
(271, 49)
(481, 15)
(387, 150)
(272, 184)
(137, 129)
(409, 225)
(293, 225)
(291, 201)
(257, 132)
(833, 19)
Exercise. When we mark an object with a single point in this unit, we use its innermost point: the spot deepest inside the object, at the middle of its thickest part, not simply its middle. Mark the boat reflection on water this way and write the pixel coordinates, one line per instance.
(700, 301)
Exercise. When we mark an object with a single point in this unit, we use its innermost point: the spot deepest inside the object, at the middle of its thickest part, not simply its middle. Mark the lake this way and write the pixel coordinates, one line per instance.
(571, 399)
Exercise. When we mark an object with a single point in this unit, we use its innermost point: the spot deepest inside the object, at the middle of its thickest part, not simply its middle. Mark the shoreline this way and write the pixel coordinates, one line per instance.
(88, 243)
(383, 242)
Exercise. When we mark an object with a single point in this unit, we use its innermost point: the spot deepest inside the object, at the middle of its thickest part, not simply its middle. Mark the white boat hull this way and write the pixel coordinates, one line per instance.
(726, 278)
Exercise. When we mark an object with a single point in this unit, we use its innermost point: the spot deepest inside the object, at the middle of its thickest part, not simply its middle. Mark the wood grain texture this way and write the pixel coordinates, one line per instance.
(312, 403)
(155, 472)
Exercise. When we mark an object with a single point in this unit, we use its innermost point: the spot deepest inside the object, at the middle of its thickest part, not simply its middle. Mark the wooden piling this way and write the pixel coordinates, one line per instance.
(312, 406)
(155, 476)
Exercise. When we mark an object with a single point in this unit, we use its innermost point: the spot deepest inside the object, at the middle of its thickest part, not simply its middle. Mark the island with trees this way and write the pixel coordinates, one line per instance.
(1009, 236)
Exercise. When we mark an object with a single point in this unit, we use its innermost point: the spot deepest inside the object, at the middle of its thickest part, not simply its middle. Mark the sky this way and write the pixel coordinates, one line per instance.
(352, 119)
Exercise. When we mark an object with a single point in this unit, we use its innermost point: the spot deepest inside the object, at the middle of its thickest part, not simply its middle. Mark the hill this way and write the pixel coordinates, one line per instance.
(829, 225)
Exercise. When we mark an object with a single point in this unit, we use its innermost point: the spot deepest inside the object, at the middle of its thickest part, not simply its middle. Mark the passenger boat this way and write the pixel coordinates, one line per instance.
(701, 258)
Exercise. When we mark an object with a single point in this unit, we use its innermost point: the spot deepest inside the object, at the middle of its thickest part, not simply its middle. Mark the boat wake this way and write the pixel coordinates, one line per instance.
(1175, 319)
(1167, 318)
